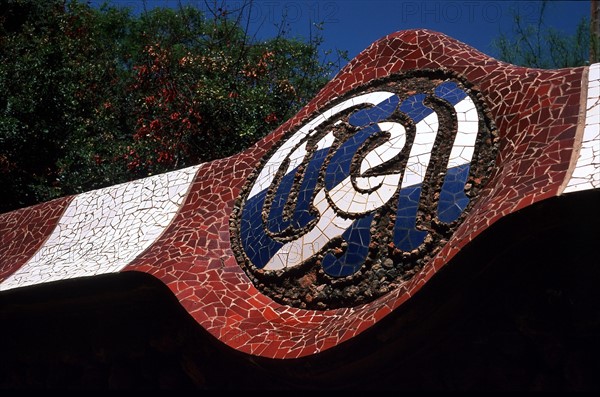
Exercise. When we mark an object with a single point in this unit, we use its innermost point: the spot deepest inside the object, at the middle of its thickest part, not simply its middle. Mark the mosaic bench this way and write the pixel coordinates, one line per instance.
(343, 213)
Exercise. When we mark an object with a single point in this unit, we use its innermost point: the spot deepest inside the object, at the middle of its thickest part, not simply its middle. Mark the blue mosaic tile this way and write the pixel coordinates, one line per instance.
(259, 247)
(406, 235)
(378, 113)
(302, 214)
(276, 223)
(358, 237)
(451, 92)
(453, 200)
(414, 108)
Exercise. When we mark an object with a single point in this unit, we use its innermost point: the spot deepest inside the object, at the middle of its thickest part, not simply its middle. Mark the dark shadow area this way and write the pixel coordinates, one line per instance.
(518, 309)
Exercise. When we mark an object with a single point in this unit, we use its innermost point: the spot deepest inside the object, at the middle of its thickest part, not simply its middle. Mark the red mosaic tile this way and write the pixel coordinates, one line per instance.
(536, 114)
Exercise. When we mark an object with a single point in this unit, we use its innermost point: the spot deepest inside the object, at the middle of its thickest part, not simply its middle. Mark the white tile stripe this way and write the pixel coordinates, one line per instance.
(586, 174)
(103, 230)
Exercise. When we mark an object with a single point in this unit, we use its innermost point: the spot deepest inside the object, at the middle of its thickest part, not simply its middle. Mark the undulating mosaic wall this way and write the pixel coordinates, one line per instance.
(344, 212)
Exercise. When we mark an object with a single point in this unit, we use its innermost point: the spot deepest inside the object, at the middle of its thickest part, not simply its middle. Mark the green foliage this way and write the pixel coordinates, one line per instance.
(539, 46)
(94, 97)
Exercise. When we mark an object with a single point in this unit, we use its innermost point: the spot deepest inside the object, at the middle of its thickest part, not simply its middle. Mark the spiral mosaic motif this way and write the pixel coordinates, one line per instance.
(359, 198)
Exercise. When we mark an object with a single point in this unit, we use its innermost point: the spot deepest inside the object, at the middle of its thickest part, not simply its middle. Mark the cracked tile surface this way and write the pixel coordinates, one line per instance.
(536, 113)
(103, 230)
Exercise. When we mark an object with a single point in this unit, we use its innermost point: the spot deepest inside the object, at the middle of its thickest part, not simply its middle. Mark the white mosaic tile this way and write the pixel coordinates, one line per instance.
(371, 182)
(320, 201)
(350, 201)
(594, 73)
(586, 174)
(326, 141)
(105, 229)
(342, 195)
(466, 136)
(296, 158)
(382, 153)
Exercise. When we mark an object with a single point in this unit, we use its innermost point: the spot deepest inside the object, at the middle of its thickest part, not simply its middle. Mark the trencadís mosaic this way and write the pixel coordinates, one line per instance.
(358, 199)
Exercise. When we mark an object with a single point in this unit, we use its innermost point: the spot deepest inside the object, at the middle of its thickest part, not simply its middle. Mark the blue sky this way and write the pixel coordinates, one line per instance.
(353, 25)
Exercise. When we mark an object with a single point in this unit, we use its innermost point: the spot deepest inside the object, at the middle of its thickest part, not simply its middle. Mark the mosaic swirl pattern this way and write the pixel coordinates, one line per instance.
(352, 203)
